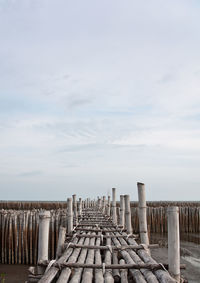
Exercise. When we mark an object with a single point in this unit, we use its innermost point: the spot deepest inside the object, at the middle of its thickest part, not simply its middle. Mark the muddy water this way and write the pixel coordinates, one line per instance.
(13, 273)
(190, 254)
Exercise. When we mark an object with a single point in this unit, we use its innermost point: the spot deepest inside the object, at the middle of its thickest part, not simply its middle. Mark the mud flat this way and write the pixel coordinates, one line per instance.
(13, 273)
(190, 255)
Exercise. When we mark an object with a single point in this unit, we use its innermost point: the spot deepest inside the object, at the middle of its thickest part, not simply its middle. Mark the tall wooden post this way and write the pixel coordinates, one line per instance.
(43, 241)
(108, 206)
(122, 210)
(128, 214)
(114, 212)
(79, 207)
(142, 214)
(174, 242)
(75, 209)
(104, 204)
(69, 216)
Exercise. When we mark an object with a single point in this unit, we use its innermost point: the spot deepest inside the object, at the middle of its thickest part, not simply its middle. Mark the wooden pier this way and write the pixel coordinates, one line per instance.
(94, 248)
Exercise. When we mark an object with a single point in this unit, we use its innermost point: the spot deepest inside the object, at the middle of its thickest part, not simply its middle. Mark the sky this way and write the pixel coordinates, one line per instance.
(99, 94)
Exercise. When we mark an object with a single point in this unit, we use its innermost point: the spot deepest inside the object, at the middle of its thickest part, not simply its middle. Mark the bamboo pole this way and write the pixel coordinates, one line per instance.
(44, 219)
(114, 212)
(69, 216)
(123, 272)
(127, 214)
(75, 209)
(116, 273)
(88, 272)
(108, 278)
(108, 206)
(122, 214)
(142, 214)
(98, 272)
(174, 242)
(76, 277)
(66, 272)
(61, 241)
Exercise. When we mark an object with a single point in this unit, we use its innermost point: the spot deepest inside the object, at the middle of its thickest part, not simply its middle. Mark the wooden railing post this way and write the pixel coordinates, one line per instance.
(142, 214)
(128, 214)
(122, 210)
(43, 241)
(114, 212)
(174, 242)
(69, 216)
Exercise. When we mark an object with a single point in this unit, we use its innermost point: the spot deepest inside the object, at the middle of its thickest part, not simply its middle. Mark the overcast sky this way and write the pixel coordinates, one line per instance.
(99, 94)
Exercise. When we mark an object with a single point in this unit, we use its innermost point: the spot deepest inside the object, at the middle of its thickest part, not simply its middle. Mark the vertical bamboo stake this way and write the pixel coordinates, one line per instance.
(128, 214)
(69, 216)
(122, 210)
(44, 220)
(104, 204)
(79, 207)
(142, 214)
(75, 209)
(30, 239)
(61, 240)
(114, 213)
(174, 242)
(108, 206)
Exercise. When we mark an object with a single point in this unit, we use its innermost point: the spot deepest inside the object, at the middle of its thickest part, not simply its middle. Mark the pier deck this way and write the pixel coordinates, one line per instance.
(98, 250)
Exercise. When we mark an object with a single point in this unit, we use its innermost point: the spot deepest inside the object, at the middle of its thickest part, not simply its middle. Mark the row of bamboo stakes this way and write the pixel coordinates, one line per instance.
(51, 205)
(19, 230)
(19, 235)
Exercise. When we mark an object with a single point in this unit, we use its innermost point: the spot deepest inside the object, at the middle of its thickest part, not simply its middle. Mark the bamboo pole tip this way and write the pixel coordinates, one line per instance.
(140, 184)
(172, 209)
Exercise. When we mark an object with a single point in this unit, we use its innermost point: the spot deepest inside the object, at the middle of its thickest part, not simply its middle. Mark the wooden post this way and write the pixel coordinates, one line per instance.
(79, 207)
(128, 214)
(108, 206)
(44, 219)
(122, 210)
(174, 242)
(142, 214)
(69, 216)
(114, 213)
(61, 241)
(74, 209)
(104, 204)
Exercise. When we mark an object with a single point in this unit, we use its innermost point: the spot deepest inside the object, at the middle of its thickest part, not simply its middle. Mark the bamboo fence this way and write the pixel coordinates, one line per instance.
(19, 226)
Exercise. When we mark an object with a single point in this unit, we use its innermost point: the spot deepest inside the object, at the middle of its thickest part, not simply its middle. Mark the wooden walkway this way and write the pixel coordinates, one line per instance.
(98, 250)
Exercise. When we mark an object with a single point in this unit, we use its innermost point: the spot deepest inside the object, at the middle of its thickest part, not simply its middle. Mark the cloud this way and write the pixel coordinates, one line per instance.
(30, 173)
(99, 96)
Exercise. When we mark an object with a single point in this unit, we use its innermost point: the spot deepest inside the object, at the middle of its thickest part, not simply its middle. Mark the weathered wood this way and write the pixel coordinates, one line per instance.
(66, 272)
(116, 248)
(174, 242)
(116, 273)
(122, 211)
(123, 272)
(142, 214)
(61, 241)
(128, 214)
(75, 210)
(76, 277)
(98, 272)
(69, 216)
(114, 213)
(44, 218)
(87, 276)
(108, 278)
